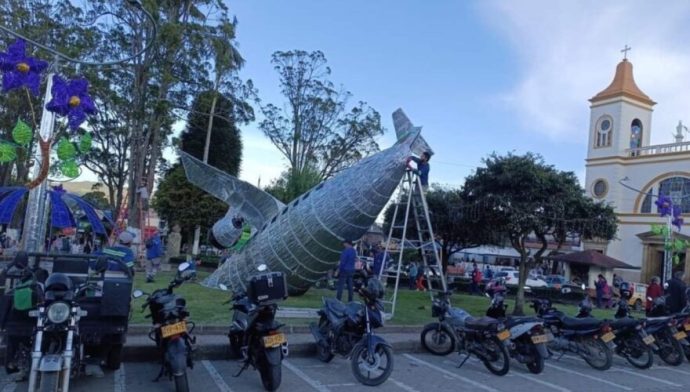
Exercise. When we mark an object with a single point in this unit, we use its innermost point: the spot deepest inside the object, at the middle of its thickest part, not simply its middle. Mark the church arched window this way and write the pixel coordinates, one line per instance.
(678, 188)
(635, 136)
(604, 131)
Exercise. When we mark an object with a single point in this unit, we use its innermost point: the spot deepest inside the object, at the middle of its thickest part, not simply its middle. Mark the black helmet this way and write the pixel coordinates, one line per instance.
(626, 292)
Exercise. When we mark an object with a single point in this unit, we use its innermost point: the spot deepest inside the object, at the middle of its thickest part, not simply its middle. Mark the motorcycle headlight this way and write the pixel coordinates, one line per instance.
(58, 312)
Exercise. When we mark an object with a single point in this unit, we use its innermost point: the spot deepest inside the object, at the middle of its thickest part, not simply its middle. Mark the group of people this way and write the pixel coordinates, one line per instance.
(676, 292)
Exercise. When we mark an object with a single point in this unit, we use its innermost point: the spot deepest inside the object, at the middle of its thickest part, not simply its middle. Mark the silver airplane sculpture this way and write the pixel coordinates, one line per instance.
(303, 239)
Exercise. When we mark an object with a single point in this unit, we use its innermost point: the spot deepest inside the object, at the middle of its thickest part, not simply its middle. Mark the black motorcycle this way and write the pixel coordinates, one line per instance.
(348, 330)
(588, 337)
(254, 334)
(664, 327)
(528, 339)
(457, 330)
(632, 341)
(172, 331)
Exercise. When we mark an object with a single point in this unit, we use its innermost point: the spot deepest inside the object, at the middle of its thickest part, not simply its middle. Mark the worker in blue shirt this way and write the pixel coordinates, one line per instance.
(379, 261)
(121, 251)
(346, 270)
(422, 168)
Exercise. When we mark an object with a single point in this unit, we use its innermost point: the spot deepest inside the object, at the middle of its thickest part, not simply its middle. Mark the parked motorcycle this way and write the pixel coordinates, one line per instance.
(670, 341)
(254, 334)
(587, 337)
(528, 339)
(58, 352)
(632, 341)
(172, 331)
(457, 330)
(348, 330)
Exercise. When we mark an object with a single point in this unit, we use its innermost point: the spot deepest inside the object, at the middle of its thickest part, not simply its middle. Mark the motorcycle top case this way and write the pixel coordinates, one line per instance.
(267, 288)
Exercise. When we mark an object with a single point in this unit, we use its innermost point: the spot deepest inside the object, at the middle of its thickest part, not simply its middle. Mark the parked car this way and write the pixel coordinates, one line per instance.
(639, 292)
(511, 278)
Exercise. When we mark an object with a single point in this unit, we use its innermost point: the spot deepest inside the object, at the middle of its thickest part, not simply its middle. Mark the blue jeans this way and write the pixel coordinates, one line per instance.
(345, 277)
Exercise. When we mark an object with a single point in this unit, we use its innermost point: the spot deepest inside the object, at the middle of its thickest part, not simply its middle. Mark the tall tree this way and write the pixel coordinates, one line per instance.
(316, 129)
(521, 196)
(179, 201)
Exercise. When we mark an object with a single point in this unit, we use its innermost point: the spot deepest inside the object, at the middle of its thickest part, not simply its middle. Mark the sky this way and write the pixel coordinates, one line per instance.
(478, 76)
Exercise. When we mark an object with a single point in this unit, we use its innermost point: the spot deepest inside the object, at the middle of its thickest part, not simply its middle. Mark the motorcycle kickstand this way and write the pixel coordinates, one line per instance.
(464, 360)
(242, 369)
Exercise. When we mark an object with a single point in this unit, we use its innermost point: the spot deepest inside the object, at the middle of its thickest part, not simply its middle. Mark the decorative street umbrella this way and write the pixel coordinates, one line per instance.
(63, 206)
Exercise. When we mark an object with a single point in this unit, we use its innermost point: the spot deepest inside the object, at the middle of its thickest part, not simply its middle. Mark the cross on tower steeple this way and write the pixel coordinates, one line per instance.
(625, 51)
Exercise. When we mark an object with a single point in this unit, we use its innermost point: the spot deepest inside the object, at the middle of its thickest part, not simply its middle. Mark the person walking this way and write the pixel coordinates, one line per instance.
(412, 275)
(599, 286)
(677, 297)
(476, 279)
(654, 291)
(420, 278)
(154, 252)
(346, 270)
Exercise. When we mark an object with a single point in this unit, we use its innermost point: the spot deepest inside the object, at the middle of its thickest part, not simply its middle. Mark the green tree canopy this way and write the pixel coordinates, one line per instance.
(520, 195)
(316, 129)
(179, 201)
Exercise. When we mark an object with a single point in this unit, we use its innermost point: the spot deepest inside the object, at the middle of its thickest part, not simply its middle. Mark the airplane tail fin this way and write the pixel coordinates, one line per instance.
(404, 130)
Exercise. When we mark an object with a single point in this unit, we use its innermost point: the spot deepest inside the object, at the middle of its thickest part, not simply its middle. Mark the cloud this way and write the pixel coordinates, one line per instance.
(568, 51)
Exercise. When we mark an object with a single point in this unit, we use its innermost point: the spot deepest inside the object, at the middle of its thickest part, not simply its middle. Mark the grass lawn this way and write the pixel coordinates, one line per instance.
(413, 307)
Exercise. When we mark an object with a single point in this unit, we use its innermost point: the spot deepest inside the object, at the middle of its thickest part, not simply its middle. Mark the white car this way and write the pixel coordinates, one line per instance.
(511, 278)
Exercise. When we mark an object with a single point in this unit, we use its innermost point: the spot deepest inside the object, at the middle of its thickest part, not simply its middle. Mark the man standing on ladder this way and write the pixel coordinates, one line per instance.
(422, 169)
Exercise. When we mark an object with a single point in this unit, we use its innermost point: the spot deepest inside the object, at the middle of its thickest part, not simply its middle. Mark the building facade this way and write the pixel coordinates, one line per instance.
(625, 170)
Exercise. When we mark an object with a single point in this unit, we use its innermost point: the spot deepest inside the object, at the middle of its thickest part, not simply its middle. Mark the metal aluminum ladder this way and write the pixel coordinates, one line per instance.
(412, 202)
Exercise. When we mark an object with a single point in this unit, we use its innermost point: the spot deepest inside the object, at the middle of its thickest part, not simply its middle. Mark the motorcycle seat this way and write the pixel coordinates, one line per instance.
(336, 307)
(657, 321)
(482, 323)
(622, 323)
(516, 320)
(580, 323)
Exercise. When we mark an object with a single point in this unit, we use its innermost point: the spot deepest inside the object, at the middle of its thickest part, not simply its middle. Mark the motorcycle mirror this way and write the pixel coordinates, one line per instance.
(101, 264)
(137, 293)
(262, 267)
(183, 266)
(584, 287)
(223, 287)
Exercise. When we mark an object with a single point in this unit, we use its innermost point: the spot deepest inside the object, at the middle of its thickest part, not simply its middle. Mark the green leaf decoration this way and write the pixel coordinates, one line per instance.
(66, 150)
(85, 142)
(657, 229)
(8, 152)
(69, 168)
(679, 245)
(21, 134)
(676, 259)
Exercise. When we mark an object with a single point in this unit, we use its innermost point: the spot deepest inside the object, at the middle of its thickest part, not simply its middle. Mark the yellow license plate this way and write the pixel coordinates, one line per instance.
(686, 326)
(274, 340)
(173, 329)
(503, 335)
(649, 339)
(680, 335)
(608, 336)
(540, 339)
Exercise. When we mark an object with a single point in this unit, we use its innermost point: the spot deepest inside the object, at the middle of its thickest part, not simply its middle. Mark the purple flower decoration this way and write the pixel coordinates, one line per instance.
(59, 189)
(664, 205)
(20, 70)
(71, 99)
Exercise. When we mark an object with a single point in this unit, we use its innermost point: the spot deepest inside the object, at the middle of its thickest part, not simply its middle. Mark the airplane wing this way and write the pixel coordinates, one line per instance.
(255, 205)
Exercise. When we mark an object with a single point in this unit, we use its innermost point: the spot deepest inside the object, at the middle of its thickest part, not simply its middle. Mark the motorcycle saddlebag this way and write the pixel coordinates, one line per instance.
(116, 297)
(267, 288)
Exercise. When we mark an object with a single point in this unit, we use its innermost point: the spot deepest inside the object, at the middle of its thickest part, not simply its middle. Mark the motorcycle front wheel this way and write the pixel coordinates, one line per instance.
(437, 339)
(271, 375)
(670, 349)
(596, 353)
(638, 353)
(372, 369)
(49, 382)
(181, 384)
(495, 356)
(323, 349)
